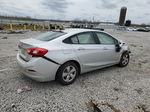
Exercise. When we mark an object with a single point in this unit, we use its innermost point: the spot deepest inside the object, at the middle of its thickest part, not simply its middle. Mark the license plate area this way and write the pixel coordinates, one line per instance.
(24, 54)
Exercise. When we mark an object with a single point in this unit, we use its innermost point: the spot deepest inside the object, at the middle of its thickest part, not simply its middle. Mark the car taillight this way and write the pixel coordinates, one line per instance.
(37, 51)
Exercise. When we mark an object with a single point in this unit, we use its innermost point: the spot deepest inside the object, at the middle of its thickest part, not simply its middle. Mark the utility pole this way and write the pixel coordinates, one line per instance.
(93, 19)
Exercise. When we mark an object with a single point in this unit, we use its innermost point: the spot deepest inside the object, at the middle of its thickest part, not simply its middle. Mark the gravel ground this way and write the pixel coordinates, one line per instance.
(126, 88)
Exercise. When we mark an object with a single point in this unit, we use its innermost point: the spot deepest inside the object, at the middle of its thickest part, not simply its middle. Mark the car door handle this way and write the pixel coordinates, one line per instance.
(105, 48)
(81, 49)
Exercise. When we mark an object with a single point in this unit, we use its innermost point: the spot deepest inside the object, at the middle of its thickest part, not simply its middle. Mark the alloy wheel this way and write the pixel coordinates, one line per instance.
(69, 73)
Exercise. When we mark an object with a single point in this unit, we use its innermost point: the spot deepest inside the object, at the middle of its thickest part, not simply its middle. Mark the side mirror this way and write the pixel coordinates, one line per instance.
(118, 47)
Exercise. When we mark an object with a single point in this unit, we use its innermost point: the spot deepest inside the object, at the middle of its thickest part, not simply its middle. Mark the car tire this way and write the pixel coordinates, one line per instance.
(124, 59)
(67, 73)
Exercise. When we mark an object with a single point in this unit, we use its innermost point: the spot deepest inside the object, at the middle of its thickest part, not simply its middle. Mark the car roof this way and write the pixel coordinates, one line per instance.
(77, 30)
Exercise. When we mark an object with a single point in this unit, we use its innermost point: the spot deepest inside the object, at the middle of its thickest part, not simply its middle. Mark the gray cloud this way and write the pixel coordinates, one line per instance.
(147, 14)
(11, 10)
(56, 5)
(148, 2)
(109, 4)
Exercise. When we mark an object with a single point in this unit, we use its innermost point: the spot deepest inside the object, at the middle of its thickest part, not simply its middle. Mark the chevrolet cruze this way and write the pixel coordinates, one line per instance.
(63, 55)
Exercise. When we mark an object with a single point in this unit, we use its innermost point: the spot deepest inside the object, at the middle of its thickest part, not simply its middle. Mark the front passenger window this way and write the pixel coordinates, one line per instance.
(105, 39)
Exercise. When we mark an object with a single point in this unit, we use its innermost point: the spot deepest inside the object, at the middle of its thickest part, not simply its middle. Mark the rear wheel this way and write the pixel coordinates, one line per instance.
(67, 73)
(124, 59)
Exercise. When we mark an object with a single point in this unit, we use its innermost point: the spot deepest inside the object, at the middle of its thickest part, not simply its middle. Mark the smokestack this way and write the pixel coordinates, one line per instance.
(123, 11)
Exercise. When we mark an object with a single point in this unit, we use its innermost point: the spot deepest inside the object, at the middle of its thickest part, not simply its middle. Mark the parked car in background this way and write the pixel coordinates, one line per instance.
(63, 55)
(131, 29)
(1, 28)
(142, 29)
(148, 28)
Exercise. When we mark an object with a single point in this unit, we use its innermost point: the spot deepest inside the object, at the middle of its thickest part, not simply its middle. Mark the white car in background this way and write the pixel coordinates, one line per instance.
(131, 29)
(63, 55)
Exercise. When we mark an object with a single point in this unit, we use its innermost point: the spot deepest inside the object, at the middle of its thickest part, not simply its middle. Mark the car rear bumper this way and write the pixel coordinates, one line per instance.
(38, 69)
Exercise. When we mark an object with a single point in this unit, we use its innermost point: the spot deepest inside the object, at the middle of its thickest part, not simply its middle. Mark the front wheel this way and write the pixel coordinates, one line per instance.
(124, 59)
(67, 73)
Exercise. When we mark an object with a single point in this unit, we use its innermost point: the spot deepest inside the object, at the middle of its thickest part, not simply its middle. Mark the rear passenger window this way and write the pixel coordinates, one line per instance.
(82, 38)
(74, 40)
(86, 38)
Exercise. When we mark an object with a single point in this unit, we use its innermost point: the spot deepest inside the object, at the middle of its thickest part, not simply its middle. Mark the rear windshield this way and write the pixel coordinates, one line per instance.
(50, 36)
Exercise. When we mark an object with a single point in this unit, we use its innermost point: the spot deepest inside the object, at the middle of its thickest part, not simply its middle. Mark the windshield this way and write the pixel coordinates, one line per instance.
(50, 36)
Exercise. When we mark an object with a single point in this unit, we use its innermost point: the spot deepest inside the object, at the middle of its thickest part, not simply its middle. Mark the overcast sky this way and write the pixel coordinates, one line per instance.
(138, 11)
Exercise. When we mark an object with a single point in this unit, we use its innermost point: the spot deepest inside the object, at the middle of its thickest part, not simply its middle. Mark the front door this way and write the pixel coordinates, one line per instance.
(107, 48)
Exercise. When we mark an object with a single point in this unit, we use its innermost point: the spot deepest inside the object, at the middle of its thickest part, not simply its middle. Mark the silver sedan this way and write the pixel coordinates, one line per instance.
(63, 55)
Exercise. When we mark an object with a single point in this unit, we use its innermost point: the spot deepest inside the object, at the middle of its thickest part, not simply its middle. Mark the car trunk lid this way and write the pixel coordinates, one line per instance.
(24, 45)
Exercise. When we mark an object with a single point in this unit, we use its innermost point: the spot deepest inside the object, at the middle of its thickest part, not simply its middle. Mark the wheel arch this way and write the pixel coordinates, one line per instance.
(124, 51)
(74, 61)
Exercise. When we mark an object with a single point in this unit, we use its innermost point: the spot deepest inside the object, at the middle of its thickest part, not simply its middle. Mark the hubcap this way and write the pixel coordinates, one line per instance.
(125, 59)
(69, 73)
